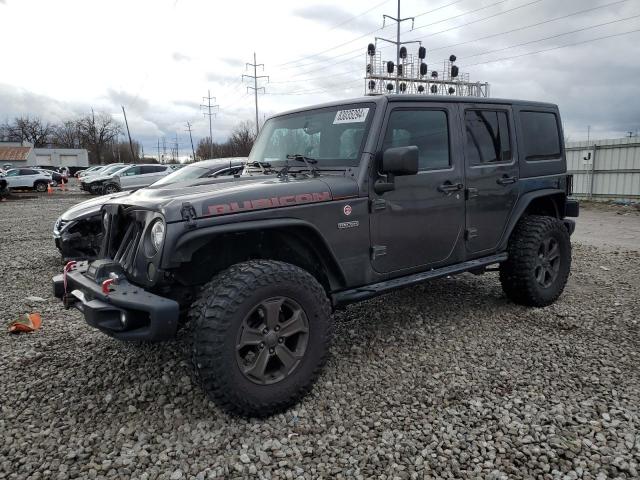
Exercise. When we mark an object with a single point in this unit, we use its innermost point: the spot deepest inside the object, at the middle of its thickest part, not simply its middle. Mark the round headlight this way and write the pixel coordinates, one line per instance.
(157, 234)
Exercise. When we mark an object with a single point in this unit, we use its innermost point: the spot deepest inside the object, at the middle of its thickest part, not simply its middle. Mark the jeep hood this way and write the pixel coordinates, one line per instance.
(222, 196)
(97, 178)
(90, 207)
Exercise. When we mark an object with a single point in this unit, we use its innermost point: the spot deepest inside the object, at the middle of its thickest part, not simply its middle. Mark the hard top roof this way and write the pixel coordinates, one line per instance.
(381, 99)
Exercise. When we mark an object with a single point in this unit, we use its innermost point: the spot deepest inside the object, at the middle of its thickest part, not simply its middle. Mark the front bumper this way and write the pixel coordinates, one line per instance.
(127, 312)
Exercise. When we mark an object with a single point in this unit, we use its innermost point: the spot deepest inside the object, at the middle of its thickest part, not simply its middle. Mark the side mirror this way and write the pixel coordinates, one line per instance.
(396, 161)
(400, 161)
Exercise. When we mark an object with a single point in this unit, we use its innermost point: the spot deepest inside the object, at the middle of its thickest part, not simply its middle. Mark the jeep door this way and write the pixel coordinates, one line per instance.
(420, 222)
(491, 173)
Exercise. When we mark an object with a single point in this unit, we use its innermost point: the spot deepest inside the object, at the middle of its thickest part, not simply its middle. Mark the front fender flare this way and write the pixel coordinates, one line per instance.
(184, 247)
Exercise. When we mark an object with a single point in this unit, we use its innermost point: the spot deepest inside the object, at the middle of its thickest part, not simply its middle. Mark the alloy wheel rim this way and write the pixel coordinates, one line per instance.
(547, 262)
(272, 340)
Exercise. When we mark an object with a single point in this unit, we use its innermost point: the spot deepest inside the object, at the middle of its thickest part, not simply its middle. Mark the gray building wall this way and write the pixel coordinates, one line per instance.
(59, 157)
(605, 169)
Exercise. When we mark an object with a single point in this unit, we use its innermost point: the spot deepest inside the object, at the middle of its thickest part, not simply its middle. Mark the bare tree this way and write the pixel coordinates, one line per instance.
(96, 132)
(27, 129)
(66, 135)
(239, 143)
(242, 139)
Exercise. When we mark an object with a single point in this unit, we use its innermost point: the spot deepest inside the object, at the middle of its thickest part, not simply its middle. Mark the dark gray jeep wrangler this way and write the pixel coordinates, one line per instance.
(337, 203)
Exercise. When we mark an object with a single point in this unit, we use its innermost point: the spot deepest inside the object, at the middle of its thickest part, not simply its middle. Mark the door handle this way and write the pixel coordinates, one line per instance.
(448, 187)
(506, 180)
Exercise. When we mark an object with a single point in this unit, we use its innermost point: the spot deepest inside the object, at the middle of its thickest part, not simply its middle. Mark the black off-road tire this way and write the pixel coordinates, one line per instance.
(518, 273)
(40, 187)
(220, 310)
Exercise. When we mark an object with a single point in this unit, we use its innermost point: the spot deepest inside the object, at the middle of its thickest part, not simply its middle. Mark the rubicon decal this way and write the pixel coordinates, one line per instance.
(262, 203)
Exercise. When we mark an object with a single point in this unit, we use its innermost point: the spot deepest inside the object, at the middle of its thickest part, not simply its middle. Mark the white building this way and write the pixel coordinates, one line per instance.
(17, 154)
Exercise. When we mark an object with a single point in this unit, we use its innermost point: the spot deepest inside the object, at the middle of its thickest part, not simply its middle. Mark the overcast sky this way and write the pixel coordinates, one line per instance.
(159, 57)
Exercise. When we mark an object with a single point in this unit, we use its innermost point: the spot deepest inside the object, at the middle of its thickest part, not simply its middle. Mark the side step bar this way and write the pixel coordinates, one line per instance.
(346, 297)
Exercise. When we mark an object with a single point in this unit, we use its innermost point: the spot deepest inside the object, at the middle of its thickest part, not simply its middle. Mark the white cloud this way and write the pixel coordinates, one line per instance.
(162, 56)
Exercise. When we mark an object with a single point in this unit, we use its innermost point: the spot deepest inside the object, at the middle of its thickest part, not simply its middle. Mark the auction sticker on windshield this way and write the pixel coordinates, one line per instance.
(353, 115)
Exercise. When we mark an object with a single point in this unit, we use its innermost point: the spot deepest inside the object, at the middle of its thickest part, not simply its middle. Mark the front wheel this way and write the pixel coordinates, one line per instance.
(261, 335)
(539, 262)
(40, 187)
(110, 189)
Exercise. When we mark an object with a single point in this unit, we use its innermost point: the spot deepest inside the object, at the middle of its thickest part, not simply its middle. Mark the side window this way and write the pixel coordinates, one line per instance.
(26, 171)
(426, 129)
(13, 173)
(541, 135)
(148, 169)
(130, 172)
(488, 139)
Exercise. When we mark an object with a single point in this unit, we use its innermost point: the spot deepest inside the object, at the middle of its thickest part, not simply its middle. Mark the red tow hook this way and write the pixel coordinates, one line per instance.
(66, 269)
(106, 284)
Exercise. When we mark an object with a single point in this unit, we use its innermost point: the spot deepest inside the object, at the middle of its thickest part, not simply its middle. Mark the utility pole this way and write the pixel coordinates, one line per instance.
(255, 87)
(208, 106)
(133, 157)
(191, 138)
(164, 149)
(159, 161)
(177, 149)
(397, 41)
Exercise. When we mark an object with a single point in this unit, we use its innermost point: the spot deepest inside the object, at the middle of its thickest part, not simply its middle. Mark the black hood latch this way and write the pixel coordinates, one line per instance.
(188, 215)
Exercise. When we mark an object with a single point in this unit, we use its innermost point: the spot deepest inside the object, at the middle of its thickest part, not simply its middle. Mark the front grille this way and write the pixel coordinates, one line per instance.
(124, 242)
(122, 238)
(125, 254)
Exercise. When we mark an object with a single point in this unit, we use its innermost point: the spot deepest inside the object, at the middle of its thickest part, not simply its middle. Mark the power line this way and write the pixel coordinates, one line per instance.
(358, 16)
(481, 38)
(493, 35)
(416, 28)
(210, 114)
(255, 87)
(356, 39)
(191, 139)
(553, 48)
(553, 36)
(477, 20)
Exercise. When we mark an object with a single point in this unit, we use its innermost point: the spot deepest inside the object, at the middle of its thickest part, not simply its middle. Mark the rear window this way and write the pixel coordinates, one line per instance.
(541, 135)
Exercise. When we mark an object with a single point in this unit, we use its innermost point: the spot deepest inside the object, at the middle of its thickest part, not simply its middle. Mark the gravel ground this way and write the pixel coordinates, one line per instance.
(445, 380)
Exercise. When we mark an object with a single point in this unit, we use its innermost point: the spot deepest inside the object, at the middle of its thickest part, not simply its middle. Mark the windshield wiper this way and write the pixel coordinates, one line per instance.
(264, 166)
(309, 162)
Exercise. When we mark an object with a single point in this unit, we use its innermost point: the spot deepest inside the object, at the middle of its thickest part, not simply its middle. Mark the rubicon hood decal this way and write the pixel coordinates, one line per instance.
(210, 209)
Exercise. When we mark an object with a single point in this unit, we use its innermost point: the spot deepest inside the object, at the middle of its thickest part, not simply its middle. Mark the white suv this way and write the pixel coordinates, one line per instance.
(28, 178)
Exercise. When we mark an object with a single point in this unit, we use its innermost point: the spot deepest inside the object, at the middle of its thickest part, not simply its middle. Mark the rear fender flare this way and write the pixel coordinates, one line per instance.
(523, 203)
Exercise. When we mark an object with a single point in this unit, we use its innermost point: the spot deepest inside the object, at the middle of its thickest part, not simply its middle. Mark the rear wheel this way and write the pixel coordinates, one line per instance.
(261, 334)
(539, 262)
(40, 187)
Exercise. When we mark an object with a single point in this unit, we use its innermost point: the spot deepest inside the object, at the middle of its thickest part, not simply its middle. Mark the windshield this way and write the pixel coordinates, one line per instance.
(333, 136)
(190, 172)
(112, 169)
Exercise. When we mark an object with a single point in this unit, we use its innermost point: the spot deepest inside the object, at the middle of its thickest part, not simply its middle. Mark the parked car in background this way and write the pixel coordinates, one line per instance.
(28, 178)
(131, 177)
(78, 231)
(56, 176)
(87, 171)
(92, 180)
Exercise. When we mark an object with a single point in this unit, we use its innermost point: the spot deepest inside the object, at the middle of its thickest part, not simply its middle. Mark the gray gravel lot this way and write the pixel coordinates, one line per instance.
(444, 380)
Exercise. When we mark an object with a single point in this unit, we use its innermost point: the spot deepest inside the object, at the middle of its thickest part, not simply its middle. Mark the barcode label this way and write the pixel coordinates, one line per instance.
(354, 115)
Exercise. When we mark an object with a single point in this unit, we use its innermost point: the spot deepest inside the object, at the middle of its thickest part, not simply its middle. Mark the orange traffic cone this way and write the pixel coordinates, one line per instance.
(49, 189)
